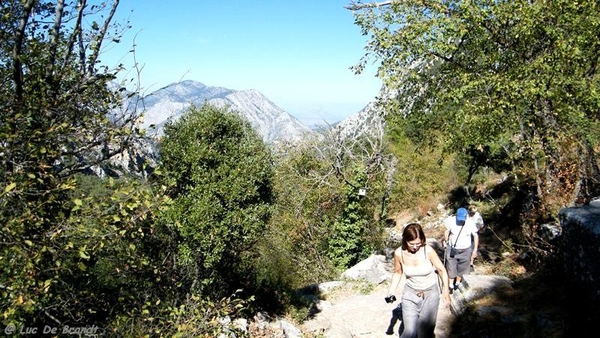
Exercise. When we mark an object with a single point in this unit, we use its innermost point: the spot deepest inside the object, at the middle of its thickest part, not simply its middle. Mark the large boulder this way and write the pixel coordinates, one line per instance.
(375, 269)
(581, 243)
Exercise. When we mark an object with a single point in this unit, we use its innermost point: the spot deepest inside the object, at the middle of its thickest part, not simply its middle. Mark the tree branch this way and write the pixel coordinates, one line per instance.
(100, 37)
(60, 5)
(80, 43)
(17, 49)
(75, 33)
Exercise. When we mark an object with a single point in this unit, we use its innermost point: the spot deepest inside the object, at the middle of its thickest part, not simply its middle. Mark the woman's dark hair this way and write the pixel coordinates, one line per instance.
(411, 232)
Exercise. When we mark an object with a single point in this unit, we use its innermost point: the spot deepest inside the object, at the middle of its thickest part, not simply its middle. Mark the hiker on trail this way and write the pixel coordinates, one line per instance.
(460, 231)
(476, 217)
(416, 269)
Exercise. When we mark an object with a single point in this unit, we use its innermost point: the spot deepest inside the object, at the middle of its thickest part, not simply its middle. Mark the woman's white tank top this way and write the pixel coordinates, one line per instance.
(421, 276)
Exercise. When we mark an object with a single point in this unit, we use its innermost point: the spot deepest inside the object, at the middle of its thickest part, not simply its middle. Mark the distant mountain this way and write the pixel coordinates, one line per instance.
(270, 121)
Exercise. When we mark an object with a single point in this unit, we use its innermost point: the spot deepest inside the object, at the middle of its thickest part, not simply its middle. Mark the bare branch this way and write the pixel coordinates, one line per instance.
(75, 33)
(100, 37)
(18, 47)
(80, 44)
(60, 5)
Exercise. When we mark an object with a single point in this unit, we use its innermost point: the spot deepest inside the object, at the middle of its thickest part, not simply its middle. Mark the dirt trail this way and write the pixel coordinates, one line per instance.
(349, 313)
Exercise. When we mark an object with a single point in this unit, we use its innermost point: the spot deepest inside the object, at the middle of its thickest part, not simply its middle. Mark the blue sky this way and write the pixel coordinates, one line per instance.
(297, 53)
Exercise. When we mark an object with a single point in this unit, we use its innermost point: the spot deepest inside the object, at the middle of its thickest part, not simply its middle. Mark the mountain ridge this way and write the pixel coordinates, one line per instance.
(271, 122)
(170, 102)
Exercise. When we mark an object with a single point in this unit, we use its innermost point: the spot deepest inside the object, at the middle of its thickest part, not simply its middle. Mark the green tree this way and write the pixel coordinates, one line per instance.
(347, 242)
(109, 257)
(219, 174)
(58, 118)
(420, 177)
(511, 78)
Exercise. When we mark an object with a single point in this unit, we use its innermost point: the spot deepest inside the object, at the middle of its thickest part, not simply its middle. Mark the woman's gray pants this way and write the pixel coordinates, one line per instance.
(419, 312)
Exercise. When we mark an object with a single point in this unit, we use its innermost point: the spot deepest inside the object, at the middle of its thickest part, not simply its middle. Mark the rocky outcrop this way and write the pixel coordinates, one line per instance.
(581, 243)
(375, 269)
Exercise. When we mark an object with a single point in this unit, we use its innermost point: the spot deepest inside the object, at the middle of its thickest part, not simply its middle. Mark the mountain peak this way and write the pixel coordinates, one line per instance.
(272, 122)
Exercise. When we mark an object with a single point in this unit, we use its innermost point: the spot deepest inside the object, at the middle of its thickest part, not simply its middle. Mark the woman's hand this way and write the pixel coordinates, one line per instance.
(446, 297)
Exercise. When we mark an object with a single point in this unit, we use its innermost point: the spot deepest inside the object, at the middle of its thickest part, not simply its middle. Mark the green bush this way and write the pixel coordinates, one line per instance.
(347, 242)
(218, 172)
(196, 316)
(422, 174)
(62, 244)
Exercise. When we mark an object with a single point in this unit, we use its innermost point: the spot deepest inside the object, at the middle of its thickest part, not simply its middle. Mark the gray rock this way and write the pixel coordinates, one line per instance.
(289, 330)
(328, 286)
(550, 231)
(479, 286)
(374, 269)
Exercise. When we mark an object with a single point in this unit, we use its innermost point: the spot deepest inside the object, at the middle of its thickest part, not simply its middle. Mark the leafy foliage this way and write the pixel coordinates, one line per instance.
(347, 243)
(509, 85)
(110, 258)
(292, 254)
(320, 223)
(196, 316)
(219, 173)
(55, 109)
(516, 76)
(422, 174)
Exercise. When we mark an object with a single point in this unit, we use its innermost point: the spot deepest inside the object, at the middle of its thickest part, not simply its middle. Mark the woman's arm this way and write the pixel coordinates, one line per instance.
(398, 278)
(442, 273)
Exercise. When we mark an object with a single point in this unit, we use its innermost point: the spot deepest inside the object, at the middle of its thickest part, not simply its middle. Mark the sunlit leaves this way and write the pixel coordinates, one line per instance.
(517, 75)
(218, 172)
(54, 124)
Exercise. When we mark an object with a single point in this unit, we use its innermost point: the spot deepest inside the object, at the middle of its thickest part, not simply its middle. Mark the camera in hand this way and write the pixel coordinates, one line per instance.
(390, 299)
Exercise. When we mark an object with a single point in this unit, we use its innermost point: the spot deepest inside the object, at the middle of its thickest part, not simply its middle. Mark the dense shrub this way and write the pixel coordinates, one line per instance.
(218, 172)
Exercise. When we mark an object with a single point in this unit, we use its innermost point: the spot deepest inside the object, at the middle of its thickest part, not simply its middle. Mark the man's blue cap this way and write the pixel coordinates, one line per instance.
(461, 215)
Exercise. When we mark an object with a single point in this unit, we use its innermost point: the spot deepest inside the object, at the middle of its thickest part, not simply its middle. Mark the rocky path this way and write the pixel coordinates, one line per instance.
(349, 310)
(350, 314)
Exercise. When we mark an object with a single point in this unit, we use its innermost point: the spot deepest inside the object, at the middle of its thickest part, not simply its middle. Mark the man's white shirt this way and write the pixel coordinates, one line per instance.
(464, 240)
